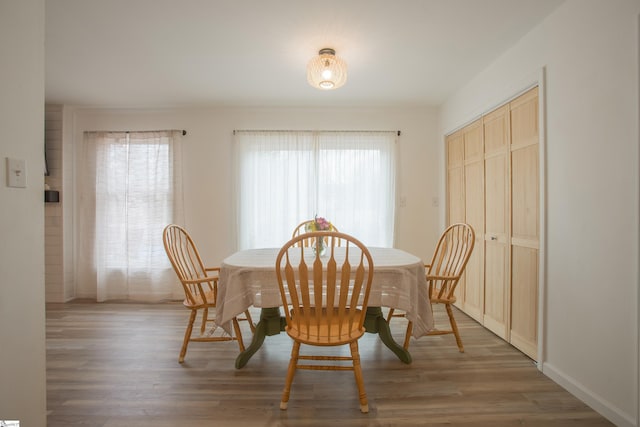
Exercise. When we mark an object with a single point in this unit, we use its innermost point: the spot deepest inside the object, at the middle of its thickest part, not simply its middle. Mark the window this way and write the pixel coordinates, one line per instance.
(130, 191)
(287, 177)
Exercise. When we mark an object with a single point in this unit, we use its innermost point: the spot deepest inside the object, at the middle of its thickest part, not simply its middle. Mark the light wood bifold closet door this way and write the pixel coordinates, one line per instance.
(474, 216)
(455, 193)
(525, 229)
(496, 242)
(492, 184)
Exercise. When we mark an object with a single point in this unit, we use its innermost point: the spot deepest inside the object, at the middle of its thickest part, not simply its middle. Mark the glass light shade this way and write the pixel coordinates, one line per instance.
(326, 71)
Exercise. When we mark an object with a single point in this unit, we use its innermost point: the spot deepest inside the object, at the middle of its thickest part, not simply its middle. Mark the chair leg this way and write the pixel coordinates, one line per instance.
(357, 372)
(236, 327)
(454, 327)
(250, 320)
(293, 363)
(187, 336)
(390, 315)
(407, 335)
(205, 315)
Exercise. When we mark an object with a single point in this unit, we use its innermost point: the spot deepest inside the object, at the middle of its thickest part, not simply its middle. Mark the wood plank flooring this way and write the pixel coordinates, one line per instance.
(116, 364)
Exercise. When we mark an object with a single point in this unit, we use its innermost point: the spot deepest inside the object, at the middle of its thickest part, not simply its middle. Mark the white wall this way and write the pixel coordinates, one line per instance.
(589, 50)
(22, 338)
(209, 174)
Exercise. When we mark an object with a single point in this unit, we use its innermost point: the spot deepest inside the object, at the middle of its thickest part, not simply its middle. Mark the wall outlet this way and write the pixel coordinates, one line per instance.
(16, 173)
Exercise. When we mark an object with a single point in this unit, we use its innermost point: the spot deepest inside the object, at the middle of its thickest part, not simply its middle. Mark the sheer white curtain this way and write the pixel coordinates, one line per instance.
(287, 177)
(130, 187)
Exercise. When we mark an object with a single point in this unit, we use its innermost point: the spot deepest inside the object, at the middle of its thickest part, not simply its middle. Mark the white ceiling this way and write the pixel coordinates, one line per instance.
(173, 53)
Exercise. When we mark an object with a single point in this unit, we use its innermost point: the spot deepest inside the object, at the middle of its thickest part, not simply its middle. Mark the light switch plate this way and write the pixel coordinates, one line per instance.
(16, 173)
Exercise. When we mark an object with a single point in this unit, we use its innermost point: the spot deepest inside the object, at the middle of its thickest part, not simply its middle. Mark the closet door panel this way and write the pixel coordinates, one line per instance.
(474, 216)
(496, 282)
(496, 247)
(524, 118)
(474, 212)
(473, 142)
(455, 150)
(496, 130)
(456, 192)
(524, 306)
(456, 195)
(455, 178)
(525, 228)
(525, 195)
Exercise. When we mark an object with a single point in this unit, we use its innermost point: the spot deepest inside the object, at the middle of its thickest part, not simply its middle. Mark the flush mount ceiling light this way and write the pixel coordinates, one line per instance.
(326, 71)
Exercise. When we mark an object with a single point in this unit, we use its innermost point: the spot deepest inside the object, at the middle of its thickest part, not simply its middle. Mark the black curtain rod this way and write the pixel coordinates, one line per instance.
(302, 130)
(184, 132)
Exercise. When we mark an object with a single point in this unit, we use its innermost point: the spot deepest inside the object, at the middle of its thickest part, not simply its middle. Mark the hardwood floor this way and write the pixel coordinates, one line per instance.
(116, 364)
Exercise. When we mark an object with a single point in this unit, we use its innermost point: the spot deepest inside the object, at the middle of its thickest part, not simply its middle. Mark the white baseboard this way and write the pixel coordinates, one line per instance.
(599, 404)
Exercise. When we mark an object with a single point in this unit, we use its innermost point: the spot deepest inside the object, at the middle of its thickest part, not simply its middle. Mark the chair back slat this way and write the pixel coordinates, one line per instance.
(326, 295)
(449, 260)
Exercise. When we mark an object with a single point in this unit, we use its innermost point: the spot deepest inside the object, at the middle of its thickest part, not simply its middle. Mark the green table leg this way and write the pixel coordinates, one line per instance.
(375, 323)
(271, 323)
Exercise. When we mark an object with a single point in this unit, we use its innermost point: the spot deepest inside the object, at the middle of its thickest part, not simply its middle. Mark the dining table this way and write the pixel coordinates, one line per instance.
(248, 278)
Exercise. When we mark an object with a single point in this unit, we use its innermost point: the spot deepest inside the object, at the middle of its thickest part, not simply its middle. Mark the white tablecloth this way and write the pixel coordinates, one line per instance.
(249, 278)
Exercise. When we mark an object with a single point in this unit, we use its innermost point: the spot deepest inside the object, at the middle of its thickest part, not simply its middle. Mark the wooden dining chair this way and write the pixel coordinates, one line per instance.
(443, 274)
(200, 285)
(327, 297)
